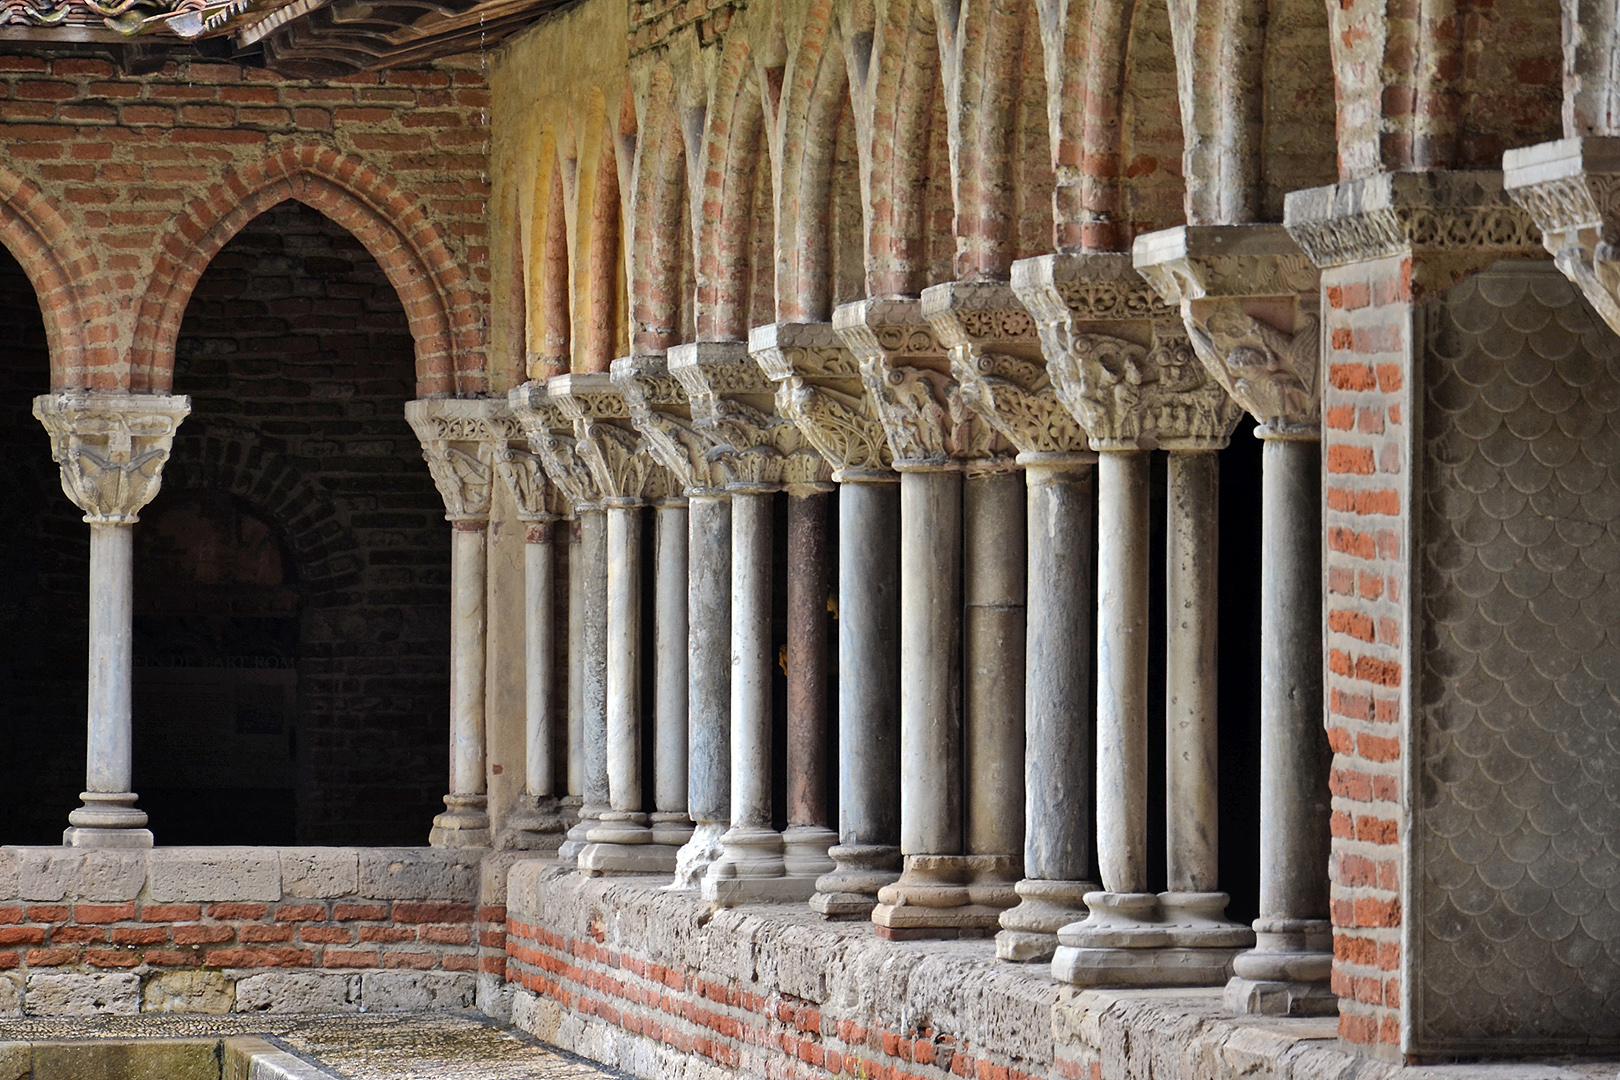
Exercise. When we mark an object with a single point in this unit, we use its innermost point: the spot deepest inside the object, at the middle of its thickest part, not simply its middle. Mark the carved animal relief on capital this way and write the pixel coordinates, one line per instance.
(1271, 374)
(1018, 399)
(1130, 396)
(111, 451)
(525, 477)
(559, 455)
(924, 416)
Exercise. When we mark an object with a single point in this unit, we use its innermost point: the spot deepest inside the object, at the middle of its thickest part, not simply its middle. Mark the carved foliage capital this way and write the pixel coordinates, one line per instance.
(1275, 376)
(111, 448)
(1579, 218)
(843, 428)
(1017, 398)
(620, 462)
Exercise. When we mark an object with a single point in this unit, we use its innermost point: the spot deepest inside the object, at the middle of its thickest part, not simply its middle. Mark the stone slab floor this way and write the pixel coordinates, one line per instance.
(417, 1046)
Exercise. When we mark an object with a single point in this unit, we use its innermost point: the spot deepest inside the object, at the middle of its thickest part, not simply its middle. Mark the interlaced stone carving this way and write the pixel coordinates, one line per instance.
(752, 448)
(111, 448)
(819, 390)
(459, 438)
(1571, 188)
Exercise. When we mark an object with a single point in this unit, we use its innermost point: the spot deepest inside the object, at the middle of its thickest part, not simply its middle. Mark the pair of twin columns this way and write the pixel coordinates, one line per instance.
(1072, 375)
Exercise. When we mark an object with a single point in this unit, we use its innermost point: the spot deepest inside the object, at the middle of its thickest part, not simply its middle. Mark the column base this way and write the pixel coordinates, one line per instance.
(620, 827)
(537, 823)
(77, 837)
(1150, 939)
(464, 823)
(575, 841)
(947, 896)
(1287, 973)
(671, 827)
(1029, 932)
(753, 871)
(851, 890)
(699, 853)
(804, 850)
(599, 859)
(107, 810)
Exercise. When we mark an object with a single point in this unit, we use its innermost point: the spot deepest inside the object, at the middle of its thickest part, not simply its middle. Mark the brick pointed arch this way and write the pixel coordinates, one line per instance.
(56, 263)
(445, 320)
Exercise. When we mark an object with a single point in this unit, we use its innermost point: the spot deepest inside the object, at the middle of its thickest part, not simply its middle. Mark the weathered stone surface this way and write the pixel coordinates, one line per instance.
(50, 874)
(148, 1059)
(410, 990)
(11, 997)
(419, 874)
(297, 991)
(320, 873)
(214, 874)
(189, 992)
(53, 993)
(16, 1060)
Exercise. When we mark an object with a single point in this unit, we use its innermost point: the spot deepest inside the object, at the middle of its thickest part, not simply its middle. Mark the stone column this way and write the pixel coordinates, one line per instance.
(671, 824)
(1248, 298)
(1124, 367)
(550, 438)
(538, 821)
(698, 662)
(819, 390)
(629, 478)
(111, 447)
(459, 440)
(996, 358)
(807, 838)
(944, 890)
(759, 454)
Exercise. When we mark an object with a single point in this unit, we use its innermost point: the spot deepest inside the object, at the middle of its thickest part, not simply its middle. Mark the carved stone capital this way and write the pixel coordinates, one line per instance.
(1119, 357)
(1453, 224)
(459, 437)
(1250, 302)
(111, 448)
(733, 407)
(997, 362)
(618, 457)
(818, 388)
(550, 436)
(905, 370)
(1571, 189)
(661, 411)
(525, 478)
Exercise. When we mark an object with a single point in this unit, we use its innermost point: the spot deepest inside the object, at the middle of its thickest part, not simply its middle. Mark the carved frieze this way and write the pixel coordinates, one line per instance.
(818, 389)
(1571, 189)
(459, 438)
(111, 448)
(1220, 277)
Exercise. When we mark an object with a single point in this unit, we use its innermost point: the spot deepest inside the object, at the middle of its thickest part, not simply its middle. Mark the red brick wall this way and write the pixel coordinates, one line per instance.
(136, 182)
(1366, 450)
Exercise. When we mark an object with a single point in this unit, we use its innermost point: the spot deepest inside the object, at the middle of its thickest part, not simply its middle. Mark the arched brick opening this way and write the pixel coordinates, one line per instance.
(445, 320)
(56, 263)
(662, 283)
(736, 260)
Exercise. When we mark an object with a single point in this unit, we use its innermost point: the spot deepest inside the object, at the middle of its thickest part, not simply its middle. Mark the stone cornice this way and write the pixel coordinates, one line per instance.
(111, 448)
(996, 360)
(1250, 302)
(1571, 189)
(1119, 356)
(550, 438)
(660, 410)
(459, 438)
(730, 394)
(905, 371)
(818, 388)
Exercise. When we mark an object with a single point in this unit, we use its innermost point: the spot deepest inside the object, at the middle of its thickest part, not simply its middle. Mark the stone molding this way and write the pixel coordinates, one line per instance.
(996, 360)
(661, 411)
(1250, 301)
(1459, 222)
(818, 388)
(755, 449)
(905, 370)
(459, 437)
(550, 436)
(1119, 356)
(618, 457)
(1571, 189)
(111, 447)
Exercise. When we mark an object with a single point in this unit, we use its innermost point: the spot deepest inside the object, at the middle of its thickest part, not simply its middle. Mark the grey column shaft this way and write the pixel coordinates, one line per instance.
(1294, 756)
(467, 568)
(593, 649)
(995, 572)
(669, 769)
(1057, 759)
(751, 659)
(708, 787)
(930, 663)
(868, 663)
(1123, 494)
(576, 659)
(624, 657)
(539, 654)
(807, 659)
(109, 758)
(1192, 819)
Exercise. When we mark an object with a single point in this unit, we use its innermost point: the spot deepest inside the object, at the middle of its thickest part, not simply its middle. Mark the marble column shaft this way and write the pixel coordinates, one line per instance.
(708, 759)
(807, 659)
(592, 618)
(624, 671)
(576, 660)
(670, 822)
(109, 761)
(751, 660)
(1192, 795)
(539, 654)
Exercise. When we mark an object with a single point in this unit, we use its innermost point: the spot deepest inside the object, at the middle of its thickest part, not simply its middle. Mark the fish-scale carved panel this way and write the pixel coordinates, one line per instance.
(1516, 928)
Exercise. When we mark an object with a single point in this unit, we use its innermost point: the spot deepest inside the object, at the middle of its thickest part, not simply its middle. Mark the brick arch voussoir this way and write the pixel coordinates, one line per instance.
(60, 267)
(439, 308)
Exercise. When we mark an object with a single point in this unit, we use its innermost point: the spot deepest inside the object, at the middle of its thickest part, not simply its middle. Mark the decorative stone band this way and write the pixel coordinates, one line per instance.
(111, 448)
(905, 371)
(733, 408)
(459, 438)
(550, 436)
(660, 410)
(1460, 222)
(1250, 301)
(1119, 357)
(818, 388)
(618, 457)
(1571, 188)
(996, 360)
